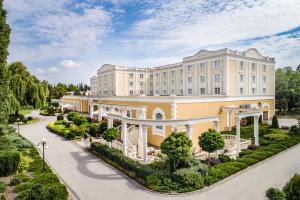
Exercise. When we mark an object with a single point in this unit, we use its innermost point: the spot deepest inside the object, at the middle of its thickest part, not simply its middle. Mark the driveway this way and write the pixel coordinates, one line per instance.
(90, 179)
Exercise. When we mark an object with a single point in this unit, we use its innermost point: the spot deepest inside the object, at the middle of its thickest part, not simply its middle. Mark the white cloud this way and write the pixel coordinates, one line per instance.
(195, 23)
(53, 70)
(70, 64)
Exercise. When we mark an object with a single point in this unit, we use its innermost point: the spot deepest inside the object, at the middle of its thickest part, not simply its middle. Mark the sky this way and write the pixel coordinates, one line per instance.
(68, 40)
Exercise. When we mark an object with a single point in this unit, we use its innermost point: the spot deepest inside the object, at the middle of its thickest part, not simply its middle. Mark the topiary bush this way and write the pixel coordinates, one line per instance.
(102, 127)
(275, 194)
(224, 158)
(292, 188)
(275, 123)
(9, 161)
(60, 117)
(189, 177)
(71, 115)
(79, 120)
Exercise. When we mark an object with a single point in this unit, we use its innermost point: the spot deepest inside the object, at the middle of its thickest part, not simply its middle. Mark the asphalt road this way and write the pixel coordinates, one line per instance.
(90, 179)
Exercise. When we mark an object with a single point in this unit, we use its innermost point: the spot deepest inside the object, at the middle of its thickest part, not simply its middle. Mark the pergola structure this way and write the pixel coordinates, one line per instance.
(239, 114)
(119, 112)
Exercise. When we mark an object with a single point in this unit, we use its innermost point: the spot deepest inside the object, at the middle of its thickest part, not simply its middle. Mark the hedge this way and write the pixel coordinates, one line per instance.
(9, 161)
(132, 167)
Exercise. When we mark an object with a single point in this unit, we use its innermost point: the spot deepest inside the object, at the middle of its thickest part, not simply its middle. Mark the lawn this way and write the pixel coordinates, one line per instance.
(25, 111)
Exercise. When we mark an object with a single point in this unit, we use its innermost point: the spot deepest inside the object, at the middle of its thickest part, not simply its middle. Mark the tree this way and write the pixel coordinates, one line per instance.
(178, 148)
(111, 134)
(275, 194)
(275, 122)
(4, 76)
(292, 188)
(211, 141)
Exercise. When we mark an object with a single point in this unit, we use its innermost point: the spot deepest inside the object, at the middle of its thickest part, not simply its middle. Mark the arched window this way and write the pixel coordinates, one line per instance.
(158, 114)
(128, 113)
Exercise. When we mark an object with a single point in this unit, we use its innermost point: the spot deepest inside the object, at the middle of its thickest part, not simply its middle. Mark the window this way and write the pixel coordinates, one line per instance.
(151, 75)
(264, 91)
(217, 90)
(141, 92)
(142, 83)
(202, 66)
(157, 92)
(217, 64)
(151, 92)
(156, 75)
(253, 66)
(130, 75)
(165, 92)
(128, 113)
(190, 91)
(181, 71)
(241, 90)
(159, 116)
(181, 82)
(131, 92)
(253, 79)
(264, 68)
(202, 90)
(241, 78)
(217, 78)
(150, 84)
(105, 84)
(241, 65)
(253, 90)
(131, 84)
(173, 83)
(172, 91)
(189, 80)
(172, 73)
(189, 68)
(141, 76)
(181, 91)
(264, 79)
(165, 83)
(165, 74)
(202, 79)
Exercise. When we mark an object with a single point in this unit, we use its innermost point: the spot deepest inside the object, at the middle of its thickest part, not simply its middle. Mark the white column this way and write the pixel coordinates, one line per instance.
(217, 125)
(238, 135)
(100, 113)
(256, 130)
(228, 121)
(91, 110)
(145, 143)
(189, 131)
(124, 133)
(109, 123)
(123, 113)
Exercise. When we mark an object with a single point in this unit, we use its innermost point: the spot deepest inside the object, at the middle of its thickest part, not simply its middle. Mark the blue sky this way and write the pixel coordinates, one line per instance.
(68, 40)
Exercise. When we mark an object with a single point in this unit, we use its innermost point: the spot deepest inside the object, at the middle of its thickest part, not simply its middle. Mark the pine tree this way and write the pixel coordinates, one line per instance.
(4, 75)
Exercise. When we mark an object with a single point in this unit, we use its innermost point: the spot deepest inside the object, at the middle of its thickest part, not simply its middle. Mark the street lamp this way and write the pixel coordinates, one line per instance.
(44, 145)
(18, 124)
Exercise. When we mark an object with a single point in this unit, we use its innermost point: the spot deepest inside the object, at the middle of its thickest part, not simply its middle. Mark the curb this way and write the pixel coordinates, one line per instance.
(193, 192)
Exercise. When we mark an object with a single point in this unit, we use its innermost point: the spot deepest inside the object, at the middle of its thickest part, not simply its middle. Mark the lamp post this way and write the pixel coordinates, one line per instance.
(18, 124)
(44, 145)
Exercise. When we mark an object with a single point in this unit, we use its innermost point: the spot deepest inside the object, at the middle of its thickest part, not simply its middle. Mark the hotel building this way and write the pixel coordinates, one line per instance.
(211, 89)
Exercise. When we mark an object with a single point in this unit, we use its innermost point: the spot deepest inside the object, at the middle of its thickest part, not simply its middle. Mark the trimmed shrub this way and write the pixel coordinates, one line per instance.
(79, 120)
(275, 123)
(38, 192)
(92, 130)
(102, 127)
(292, 188)
(29, 118)
(9, 161)
(224, 158)
(295, 130)
(276, 137)
(60, 117)
(275, 194)
(189, 177)
(212, 161)
(71, 115)
(111, 134)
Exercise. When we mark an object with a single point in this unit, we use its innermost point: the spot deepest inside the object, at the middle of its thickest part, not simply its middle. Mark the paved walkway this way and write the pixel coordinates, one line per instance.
(90, 179)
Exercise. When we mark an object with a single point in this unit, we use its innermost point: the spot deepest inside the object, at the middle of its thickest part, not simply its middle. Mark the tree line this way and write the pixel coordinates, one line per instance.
(58, 90)
(287, 89)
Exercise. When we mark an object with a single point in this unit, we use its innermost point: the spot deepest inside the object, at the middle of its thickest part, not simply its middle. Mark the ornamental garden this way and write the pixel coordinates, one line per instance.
(177, 170)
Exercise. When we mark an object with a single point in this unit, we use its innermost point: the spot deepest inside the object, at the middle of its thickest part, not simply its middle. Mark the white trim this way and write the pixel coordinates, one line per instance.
(253, 106)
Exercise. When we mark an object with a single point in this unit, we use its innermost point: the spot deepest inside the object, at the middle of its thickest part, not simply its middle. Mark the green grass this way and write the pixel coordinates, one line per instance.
(35, 120)
(25, 111)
